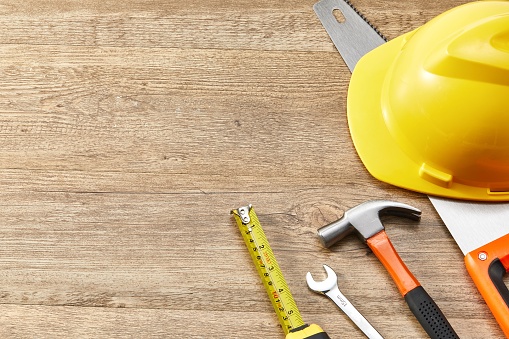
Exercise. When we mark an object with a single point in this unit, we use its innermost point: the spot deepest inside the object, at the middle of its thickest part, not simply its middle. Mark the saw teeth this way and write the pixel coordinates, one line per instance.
(366, 20)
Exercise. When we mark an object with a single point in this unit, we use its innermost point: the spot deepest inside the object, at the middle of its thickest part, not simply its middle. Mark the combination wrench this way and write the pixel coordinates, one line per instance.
(329, 287)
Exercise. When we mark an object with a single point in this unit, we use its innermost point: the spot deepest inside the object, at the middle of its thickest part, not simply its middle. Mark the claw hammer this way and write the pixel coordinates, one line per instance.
(364, 220)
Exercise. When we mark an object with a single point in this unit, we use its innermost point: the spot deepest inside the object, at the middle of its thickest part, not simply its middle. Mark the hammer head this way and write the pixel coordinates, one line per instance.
(364, 219)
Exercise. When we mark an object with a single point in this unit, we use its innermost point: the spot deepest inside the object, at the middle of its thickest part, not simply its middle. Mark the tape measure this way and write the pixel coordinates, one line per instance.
(272, 277)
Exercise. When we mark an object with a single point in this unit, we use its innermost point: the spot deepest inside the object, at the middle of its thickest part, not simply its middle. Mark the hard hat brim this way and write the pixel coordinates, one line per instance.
(378, 150)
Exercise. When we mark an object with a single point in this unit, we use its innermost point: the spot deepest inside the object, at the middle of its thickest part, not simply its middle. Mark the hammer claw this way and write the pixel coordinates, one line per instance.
(364, 220)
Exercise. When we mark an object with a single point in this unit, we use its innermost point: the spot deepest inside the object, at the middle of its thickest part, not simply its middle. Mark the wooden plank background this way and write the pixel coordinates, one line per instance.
(130, 129)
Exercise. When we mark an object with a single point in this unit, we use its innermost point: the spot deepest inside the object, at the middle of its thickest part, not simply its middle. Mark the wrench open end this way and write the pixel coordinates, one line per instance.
(329, 287)
(325, 285)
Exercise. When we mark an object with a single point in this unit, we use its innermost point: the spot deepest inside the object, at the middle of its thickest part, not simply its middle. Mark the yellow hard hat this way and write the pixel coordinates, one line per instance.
(429, 110)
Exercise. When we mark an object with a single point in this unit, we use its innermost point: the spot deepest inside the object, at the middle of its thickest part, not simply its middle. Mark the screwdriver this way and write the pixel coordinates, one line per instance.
(272, 277)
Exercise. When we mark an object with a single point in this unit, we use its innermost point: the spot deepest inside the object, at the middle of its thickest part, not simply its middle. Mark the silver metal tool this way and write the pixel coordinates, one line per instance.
(473, 224)
(364, 220)
(329, 287)
(353, 38)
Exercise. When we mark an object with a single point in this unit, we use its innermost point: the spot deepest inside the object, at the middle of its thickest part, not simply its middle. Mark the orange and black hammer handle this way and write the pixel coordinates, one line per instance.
(420, 303)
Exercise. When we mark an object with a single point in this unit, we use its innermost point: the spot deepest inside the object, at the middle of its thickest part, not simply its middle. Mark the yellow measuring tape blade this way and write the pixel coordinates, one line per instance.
(268, 268)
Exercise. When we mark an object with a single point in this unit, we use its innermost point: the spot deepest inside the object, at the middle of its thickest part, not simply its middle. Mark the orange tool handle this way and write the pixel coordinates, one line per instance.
(487, 266)
(424, 308)
(386, 253)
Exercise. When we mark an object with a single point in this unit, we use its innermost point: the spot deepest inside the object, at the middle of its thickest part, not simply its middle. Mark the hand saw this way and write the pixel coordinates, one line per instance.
(480, 229)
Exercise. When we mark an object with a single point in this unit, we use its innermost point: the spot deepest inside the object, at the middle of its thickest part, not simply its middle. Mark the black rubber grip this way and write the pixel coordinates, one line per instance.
(429, 315)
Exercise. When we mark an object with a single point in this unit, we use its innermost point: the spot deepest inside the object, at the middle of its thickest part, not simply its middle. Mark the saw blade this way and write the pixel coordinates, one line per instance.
(354, 36)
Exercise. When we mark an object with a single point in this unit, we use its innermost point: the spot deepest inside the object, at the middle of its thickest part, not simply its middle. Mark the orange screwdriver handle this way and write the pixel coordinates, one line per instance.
(386, 253)
(487, 266)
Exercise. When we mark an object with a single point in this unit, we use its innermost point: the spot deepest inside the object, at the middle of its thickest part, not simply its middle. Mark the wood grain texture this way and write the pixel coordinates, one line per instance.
(130, 129)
